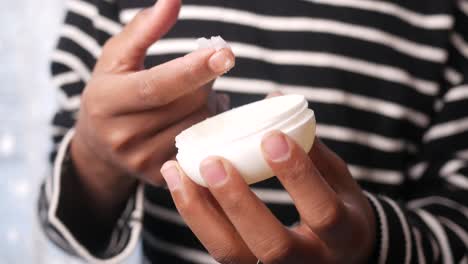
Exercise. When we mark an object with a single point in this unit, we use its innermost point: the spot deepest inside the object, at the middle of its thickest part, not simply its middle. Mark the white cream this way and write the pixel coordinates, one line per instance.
(236, 135)
(215, 42)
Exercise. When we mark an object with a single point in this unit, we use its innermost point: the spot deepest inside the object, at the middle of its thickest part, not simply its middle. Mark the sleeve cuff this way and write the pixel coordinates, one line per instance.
(125, 235)
(393, 236)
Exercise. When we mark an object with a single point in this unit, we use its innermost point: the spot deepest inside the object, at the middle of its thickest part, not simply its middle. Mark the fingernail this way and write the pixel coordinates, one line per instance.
(276, 147)
(171, 175)
(221, 61)
(213, 172)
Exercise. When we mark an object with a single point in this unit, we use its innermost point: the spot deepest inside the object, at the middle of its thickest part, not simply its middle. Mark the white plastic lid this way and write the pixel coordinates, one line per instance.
(241, 122)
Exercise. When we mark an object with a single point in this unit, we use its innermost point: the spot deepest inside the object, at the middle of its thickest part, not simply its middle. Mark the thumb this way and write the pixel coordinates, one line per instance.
(127, 50)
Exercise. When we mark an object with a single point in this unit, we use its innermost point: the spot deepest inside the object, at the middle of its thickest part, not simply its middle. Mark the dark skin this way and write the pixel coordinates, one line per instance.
(126, 126)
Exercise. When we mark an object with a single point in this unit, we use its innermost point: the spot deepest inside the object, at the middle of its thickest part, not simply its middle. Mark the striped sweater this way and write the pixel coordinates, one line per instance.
(387, 79)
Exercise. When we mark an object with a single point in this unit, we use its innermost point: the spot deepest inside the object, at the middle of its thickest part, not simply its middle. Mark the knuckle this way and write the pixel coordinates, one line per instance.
(86, 100)
(117, 140)
(188, 68)
(225, 255)
(146, 88)
(329, 216)
(296, 171)
(95, 111)
(137, 163)
(233, 203)
(147, 92)
(188, 205)
(87, 95)
(93, 99)
(277, 250)
(112, 59)
(109, 45)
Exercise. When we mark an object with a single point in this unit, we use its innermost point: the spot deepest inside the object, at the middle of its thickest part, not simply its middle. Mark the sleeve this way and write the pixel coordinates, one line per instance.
(430, 224)
(81, 37)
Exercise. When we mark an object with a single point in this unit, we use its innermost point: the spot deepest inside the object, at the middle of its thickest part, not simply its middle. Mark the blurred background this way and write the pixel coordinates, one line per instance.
(27, 101)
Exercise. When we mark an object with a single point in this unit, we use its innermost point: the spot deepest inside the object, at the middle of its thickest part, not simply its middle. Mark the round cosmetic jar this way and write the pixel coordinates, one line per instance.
(236, 135)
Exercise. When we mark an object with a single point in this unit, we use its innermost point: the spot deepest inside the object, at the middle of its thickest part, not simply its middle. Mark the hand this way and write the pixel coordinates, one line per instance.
(336, 221)
(130, 115)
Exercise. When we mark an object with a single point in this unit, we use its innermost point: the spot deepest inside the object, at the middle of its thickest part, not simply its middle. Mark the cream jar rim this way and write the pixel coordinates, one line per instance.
(280, 120)
(285, 128)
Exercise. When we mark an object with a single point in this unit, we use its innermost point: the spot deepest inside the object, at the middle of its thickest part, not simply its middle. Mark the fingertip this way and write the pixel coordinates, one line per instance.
(169, 164)
(268, 135)
(230, 54)
(140, 32)
(171, 174)
(222, 61)
(209, 160)
(275, 146)
(213, 171)
(164, 15)
(218, 61)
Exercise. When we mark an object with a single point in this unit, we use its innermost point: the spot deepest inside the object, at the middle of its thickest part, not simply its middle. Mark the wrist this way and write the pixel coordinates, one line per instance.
(80, 197)
(106, 184)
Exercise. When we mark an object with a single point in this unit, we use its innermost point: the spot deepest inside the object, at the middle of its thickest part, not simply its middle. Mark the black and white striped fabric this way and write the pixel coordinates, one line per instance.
(388, 80)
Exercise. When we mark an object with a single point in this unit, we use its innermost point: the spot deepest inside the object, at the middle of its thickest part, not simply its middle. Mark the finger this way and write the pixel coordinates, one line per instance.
(167, 82)
(126, 51)
(205, 218)
(332, 168)
(146, 156)
(317, 203)
(148, 122)
(259, 228)
(336, 173)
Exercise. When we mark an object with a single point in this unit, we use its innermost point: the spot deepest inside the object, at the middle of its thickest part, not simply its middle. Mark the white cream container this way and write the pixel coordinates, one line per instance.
(236, 136)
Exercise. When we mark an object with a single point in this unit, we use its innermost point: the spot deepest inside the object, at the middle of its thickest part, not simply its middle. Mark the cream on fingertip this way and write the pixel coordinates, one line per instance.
(216, 42)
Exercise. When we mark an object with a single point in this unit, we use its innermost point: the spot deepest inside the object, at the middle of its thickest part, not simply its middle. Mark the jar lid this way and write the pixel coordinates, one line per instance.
(242, 122)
